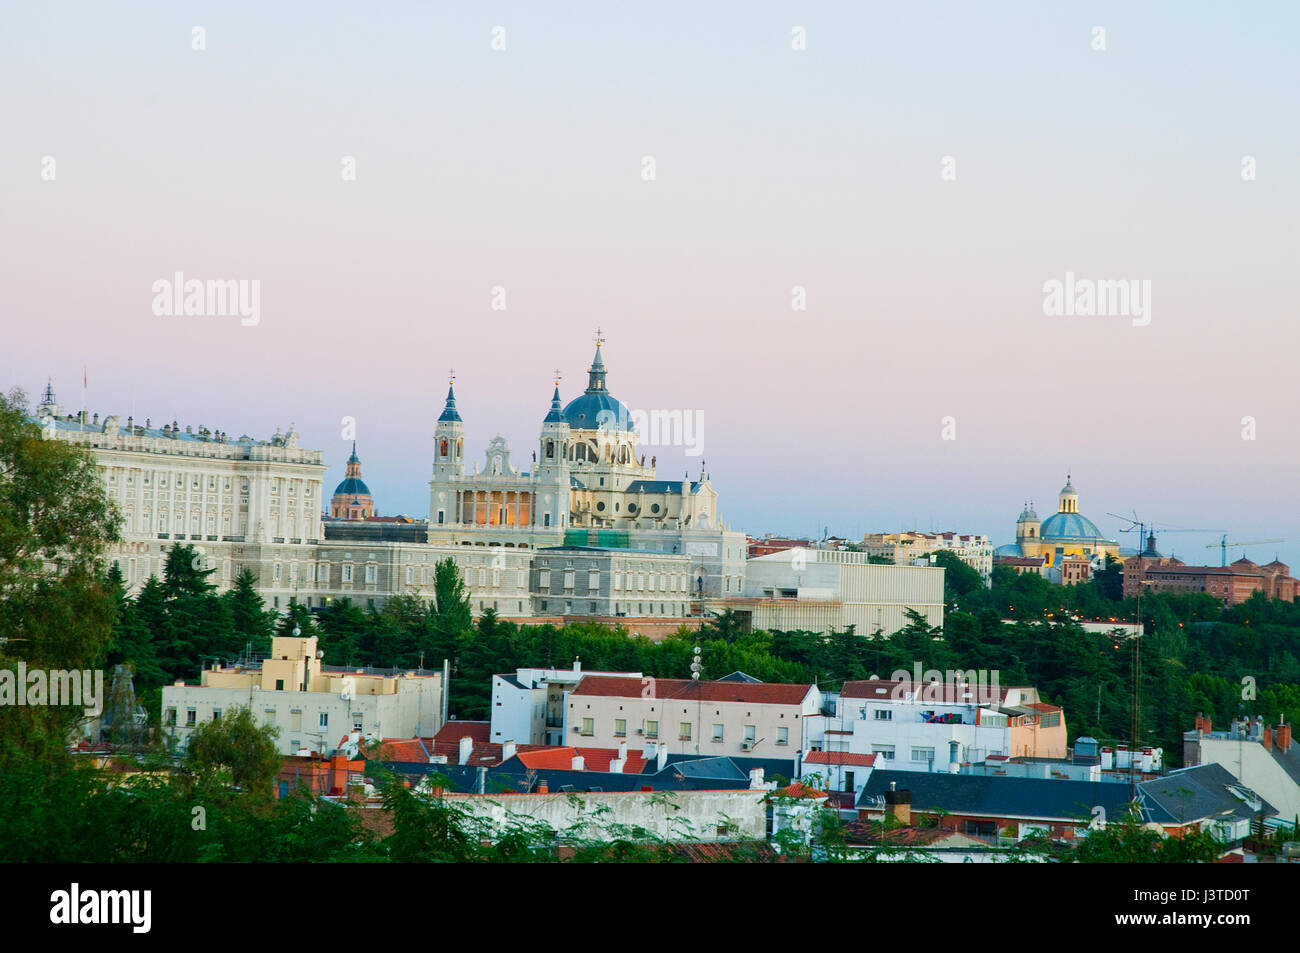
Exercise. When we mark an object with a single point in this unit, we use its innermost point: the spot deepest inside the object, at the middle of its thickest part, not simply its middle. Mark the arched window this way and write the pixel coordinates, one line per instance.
(550, 449)
(443, 448)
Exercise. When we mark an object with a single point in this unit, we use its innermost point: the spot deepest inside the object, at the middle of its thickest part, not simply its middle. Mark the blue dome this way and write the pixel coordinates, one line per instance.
(597, 411)
(1010, 549)
(352, 487)
(1069, 526)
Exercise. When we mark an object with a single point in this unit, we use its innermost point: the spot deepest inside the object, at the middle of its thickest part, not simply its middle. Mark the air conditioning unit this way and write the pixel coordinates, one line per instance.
(640, 731)
(747, 746)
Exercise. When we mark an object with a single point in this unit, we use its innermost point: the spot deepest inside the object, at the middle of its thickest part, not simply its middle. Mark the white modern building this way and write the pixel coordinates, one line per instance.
(528, 707)
(940, 726)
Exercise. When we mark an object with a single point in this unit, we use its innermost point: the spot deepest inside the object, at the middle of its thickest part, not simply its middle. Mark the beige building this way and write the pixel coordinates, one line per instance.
(724, 718)
(819, 589)
(912, 548)
(315, 708)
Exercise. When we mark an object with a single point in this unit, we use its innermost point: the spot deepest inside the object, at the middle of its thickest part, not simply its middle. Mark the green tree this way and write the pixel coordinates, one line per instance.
(252, 622)
(1129, 841)
(960, 581)
(56, 607)
(233, 750)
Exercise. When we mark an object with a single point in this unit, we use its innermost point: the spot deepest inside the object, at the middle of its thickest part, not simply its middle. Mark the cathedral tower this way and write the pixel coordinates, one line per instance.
(553, 467)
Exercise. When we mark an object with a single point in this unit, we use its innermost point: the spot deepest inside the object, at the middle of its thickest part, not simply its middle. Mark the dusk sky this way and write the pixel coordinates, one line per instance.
(1167, 157)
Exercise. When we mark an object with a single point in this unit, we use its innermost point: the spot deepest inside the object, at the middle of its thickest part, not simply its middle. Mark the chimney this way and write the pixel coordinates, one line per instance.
(466, 749)
(577, 664)
(481, 785)
(507, 750)
(579, 763)
(1282, 735)
(898, 805)
(617, 765)
(756, 779)
(1268, 739)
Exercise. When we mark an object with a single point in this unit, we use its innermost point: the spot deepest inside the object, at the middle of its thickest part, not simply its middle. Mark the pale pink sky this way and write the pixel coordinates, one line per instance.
(522, 168)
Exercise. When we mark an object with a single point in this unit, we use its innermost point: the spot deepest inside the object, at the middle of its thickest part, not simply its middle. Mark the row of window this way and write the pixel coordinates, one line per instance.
(684, 731)
(619, 608)
(268, 716)
(196, 482)
(675, 582)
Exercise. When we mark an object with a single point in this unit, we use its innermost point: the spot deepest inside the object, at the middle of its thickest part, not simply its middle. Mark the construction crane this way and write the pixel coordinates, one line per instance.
(1223, 545)
(1142, 527)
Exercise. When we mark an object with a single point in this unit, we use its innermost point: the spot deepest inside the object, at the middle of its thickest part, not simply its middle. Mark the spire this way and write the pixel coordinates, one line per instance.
(449, 412)
(353, 469)
(596, 376)
(555, 416)
(48, 396)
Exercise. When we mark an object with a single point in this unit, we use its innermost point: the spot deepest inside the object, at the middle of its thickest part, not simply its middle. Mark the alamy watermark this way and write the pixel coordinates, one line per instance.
(40, 687)
(1088, 297)
(659, 428)
(974, 686)
(191, 298)
(125, 907)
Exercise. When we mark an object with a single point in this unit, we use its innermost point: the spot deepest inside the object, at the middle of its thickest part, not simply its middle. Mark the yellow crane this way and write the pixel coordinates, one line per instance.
(1223, 545)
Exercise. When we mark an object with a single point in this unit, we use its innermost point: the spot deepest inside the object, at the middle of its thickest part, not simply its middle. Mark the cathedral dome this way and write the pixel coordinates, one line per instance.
(595, 409)
(1069, 526)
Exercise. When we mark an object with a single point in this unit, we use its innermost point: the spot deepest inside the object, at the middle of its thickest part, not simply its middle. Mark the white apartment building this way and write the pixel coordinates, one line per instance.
(722, 718)
(314, 708)
(528, 707)
(919, 726)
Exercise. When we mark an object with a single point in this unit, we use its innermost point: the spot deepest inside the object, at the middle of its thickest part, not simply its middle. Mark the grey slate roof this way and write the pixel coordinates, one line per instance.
(1191, 794)
(996, 796)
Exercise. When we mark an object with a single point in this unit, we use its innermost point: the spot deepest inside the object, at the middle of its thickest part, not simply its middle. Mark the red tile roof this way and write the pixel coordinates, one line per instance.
(799, 789)
(758, 693)
(594, 759)
(455, 730)
(840, 757)
(418, 751)
(415, 750)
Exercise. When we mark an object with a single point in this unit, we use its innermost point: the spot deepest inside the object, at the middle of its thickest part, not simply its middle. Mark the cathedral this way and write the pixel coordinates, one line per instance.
(588, 482)
(1067, 532)
(588, 485)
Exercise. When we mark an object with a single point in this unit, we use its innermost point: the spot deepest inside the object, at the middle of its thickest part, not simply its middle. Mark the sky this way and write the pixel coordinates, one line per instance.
(826, 230)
